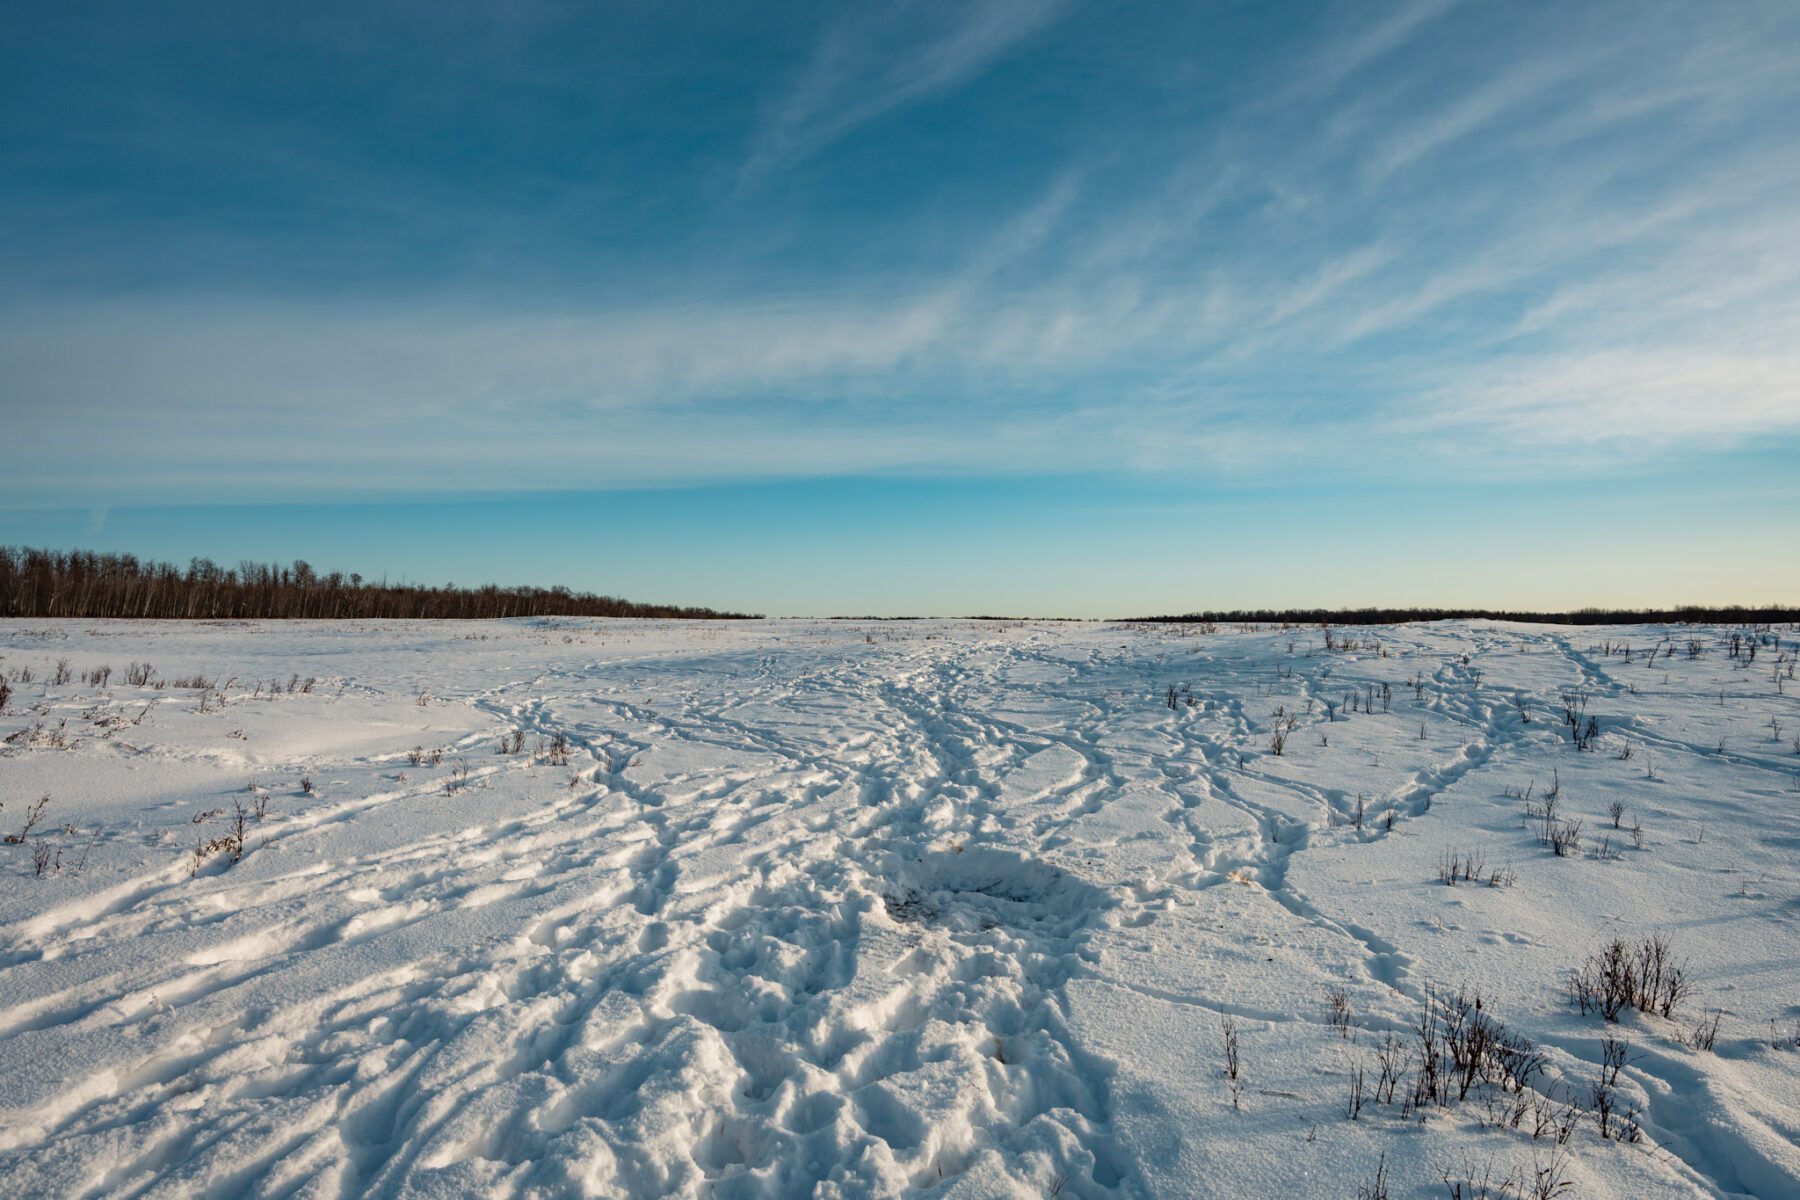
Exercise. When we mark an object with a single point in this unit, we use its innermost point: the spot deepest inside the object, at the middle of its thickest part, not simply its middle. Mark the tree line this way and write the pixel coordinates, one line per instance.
(82, 583)
(1693, 613)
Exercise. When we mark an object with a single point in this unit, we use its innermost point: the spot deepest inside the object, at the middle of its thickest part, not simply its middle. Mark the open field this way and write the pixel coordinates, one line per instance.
(972, 909)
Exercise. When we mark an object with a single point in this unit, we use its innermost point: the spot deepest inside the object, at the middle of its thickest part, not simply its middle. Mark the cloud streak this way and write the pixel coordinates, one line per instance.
(880, 60)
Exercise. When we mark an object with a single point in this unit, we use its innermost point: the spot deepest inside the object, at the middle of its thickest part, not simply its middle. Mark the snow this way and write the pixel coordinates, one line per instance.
(847, 909)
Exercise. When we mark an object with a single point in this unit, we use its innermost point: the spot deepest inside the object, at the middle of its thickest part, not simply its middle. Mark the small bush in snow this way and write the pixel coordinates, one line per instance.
(1460, 1046)
(1358, 1093)
(1704, 1034)
(1564, 837)
(1456, 867)
(1604, 1101)
(1469, 1183)
(1233, 1065)
(558, 753)
(1337, 1004)
(1621, 976)
(233, 842)
(1377, 1187)
(1550, 1176)
(1391, 1058)
(1284, 725)
(33, 815)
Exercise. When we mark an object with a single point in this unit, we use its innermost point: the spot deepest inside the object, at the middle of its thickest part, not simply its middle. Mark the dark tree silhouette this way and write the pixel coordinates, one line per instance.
(80, 583)
(1732, 614)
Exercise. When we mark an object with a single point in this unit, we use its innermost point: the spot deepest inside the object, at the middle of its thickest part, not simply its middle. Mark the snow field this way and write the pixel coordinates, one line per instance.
(846, 909)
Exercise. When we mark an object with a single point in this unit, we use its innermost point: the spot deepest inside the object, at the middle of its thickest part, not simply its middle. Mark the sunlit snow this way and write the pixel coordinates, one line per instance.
(840, 909)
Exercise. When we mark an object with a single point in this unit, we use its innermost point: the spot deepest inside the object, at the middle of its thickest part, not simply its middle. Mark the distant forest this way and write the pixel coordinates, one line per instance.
(1730, 615)
(78, 583)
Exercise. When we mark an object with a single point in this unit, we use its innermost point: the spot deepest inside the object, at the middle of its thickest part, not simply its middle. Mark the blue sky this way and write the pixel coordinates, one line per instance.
(1026, 307)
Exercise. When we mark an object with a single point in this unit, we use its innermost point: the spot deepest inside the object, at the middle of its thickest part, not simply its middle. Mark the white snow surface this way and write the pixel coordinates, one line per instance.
(846, 909)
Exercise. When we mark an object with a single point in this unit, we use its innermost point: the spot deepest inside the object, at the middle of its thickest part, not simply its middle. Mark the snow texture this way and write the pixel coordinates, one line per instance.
(840, 909)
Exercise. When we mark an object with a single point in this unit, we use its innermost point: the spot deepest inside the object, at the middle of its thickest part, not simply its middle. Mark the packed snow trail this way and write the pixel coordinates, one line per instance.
(846, 909)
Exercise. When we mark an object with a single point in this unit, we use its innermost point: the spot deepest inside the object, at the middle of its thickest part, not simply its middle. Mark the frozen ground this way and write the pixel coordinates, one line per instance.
(841, 909)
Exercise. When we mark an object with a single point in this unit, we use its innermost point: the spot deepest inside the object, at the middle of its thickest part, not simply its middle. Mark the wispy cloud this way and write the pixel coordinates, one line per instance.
(1343, 57)
(1631, 400)
(1497, 97)
(1495, 260)
(884, 58)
